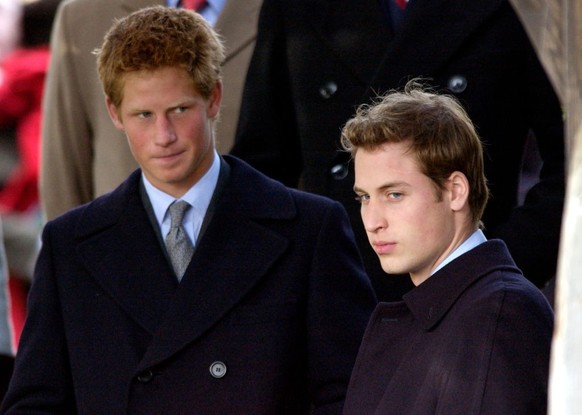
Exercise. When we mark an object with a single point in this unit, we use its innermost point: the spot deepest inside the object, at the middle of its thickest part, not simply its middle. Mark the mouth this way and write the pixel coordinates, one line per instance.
(168, 157)
(383, 248)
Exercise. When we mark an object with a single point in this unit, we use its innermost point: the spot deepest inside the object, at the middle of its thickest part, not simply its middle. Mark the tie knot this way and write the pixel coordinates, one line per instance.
(177, 211)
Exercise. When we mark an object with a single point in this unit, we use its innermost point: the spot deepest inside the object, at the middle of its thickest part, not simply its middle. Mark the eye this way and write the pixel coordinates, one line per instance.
(363, 198)
(180, 110)
(395, 195)
(144, 114)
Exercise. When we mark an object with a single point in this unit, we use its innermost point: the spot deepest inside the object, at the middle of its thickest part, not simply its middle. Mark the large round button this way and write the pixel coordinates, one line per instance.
(145, 376)
(339, 171)
(218, 370)
(328, 90)
(457, 84)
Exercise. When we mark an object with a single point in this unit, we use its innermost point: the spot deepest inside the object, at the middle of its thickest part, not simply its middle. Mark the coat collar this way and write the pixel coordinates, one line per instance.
(431, 300)
(119, 247)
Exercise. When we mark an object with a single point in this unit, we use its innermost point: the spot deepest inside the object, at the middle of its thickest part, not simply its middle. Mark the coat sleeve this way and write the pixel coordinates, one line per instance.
(41, 382)
(341, 301)
(66, 174)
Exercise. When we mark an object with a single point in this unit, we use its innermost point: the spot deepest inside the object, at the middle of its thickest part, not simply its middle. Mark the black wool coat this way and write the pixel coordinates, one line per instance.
(267, 319)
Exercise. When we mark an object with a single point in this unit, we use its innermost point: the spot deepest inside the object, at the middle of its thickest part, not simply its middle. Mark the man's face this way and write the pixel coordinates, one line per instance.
(168, 126)
(408, 227)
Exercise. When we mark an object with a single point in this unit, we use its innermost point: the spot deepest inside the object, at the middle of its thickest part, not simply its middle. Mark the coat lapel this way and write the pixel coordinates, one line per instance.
(121, 251)
(218, 277)
(221, 272)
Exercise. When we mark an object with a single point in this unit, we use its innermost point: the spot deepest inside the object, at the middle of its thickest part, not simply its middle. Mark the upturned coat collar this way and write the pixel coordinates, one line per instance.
(431, 300)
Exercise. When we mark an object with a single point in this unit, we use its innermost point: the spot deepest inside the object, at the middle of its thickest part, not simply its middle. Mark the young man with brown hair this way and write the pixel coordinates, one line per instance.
(473, 336)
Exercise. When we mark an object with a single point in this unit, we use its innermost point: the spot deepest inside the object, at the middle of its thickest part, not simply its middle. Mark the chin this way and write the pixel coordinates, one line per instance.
(392, 269)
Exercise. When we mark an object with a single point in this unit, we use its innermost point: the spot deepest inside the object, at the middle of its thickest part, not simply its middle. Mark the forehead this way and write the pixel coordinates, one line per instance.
(388, 163)
(165, 73)
(388, 156)
(157, 85)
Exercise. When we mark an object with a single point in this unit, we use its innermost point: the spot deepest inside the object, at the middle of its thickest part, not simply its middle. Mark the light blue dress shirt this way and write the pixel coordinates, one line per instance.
(476, 239)
(210, 12)
(198, 196)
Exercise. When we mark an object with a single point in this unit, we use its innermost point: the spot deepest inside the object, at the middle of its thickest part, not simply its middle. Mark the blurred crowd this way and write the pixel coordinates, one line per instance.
(25, 29)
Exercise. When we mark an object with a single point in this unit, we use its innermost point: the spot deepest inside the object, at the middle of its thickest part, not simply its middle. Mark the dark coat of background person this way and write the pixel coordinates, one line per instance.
(315, 61)
(275, 291)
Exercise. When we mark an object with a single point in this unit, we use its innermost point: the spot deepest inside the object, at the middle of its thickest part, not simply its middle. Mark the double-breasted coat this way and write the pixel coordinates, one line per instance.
(315, 61)
(267, 319)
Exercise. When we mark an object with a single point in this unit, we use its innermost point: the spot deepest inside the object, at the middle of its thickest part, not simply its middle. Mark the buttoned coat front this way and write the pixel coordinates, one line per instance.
(473, 339)
(267, 319)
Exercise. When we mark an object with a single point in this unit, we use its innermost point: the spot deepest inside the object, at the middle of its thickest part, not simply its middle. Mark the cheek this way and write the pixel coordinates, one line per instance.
(424, 222)
(190, 127)
(136, 138)
(435, 229)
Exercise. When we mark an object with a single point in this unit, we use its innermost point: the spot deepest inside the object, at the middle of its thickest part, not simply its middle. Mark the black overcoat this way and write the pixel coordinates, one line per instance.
(267, 319)
(473, 339)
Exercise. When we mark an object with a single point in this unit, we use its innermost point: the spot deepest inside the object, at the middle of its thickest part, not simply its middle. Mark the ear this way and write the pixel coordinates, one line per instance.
(215, 100)
(458, 187)
(113, 114)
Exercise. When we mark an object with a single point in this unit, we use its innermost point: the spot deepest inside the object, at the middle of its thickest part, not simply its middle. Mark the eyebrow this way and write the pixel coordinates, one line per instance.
(384, 187)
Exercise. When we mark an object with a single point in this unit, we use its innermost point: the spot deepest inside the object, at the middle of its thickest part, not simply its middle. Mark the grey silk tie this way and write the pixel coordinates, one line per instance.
(179, 246)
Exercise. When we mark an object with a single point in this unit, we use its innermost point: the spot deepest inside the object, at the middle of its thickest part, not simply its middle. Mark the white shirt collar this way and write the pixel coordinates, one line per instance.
(198, 196)
(476, 239)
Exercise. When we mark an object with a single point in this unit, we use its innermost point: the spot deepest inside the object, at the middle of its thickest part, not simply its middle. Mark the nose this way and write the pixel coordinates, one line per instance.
(373, 217)
(165, 131)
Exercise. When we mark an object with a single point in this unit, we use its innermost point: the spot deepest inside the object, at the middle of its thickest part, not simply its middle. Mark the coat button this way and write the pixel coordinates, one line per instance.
(328, 90)
(339, 171)
(457, 84)
(145, 376)
(218, 370)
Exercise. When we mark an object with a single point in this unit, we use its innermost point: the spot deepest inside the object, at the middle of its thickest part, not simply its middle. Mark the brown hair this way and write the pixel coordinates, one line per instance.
(441, 136)
(158, 37)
